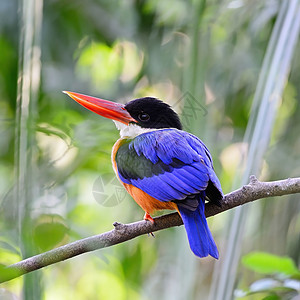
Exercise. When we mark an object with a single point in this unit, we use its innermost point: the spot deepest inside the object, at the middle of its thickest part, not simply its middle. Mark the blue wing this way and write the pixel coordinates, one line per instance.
(173, 165)
(169, 165)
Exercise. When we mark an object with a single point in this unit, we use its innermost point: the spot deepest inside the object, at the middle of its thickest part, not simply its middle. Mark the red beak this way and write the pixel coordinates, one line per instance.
(105, 108)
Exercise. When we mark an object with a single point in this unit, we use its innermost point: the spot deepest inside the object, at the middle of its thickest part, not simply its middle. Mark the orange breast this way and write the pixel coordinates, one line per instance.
(145, 201)
(115, 148)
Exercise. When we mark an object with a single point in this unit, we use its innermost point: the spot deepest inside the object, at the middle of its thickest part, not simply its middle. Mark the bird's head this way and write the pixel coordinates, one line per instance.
(135, 117)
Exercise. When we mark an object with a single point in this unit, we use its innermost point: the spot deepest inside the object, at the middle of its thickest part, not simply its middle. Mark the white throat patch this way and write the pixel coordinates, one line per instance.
(132, 130)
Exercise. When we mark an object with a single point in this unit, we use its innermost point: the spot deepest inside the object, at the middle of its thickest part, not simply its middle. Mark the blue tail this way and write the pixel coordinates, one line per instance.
(200, 238)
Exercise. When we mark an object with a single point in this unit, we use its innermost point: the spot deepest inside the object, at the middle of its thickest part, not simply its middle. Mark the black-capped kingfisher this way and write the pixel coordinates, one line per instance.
(160, 165)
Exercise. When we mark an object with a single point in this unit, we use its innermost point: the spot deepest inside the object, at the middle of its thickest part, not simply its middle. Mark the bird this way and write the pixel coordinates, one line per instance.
(160, 165)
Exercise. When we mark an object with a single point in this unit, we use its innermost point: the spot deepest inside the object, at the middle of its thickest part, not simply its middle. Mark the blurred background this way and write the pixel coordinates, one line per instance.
(231, 69)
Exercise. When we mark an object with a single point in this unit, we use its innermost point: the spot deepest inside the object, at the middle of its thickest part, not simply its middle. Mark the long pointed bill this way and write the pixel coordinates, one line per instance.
(105, 108)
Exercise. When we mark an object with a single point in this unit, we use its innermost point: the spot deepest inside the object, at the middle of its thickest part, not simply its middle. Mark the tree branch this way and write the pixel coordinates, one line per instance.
(124, 232)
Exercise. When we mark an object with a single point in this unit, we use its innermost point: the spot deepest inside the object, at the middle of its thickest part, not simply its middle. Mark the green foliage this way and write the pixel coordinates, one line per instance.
(49, 232)
(266, 263)
(282, 281)
(120, 50)
(104, 66)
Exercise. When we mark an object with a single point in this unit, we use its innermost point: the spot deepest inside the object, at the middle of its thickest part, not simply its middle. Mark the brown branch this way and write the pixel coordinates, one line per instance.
(124, 232)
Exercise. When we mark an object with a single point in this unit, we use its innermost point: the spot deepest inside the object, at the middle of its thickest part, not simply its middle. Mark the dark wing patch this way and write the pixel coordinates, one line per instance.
(132, 166)
(213, 194)
(191, 202)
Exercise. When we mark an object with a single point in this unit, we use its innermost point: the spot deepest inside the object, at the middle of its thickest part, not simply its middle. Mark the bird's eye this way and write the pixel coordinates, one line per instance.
(143, 117)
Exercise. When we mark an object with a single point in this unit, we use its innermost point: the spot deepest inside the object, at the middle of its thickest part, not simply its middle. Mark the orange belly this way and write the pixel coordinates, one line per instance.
(145, 201)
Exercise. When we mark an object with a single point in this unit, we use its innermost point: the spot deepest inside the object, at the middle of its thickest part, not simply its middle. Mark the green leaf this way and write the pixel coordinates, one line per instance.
(272, 297)
(266, 263)
(50, 230)
(7, 274)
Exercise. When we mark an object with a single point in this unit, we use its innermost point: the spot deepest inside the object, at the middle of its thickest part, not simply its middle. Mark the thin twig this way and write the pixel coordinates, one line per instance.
(124, 232)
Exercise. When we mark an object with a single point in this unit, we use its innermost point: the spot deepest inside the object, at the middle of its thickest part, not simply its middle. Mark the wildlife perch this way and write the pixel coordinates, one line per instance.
(160, 165)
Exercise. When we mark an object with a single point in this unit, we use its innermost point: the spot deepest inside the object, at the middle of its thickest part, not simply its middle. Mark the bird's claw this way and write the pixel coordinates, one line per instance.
(147, 217)
(152, 234)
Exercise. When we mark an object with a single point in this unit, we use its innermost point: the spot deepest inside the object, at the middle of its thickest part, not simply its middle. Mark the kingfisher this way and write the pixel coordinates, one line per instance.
(160, 165)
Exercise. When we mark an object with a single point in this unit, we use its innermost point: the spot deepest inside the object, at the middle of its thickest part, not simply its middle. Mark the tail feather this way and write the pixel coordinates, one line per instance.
(199, 235)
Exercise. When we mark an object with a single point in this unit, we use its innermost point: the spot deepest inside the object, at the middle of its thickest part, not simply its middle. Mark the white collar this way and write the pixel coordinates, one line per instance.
(132, 130)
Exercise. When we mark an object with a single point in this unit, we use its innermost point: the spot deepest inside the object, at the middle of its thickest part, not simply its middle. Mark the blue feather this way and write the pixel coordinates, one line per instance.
(178, 184)
(173, 165)
(158, 188)
(199, 236)
(188, 179)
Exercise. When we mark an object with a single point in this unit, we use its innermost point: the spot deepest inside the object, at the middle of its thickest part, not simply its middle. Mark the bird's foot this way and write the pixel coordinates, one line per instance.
(147, 217)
